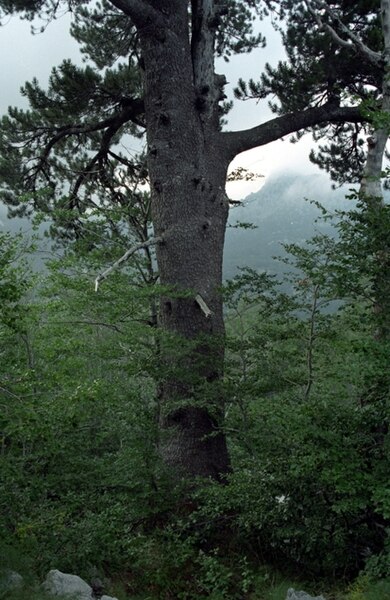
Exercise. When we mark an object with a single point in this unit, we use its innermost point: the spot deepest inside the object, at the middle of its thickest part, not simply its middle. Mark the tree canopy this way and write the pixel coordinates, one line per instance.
(156, 77)
(125, 410)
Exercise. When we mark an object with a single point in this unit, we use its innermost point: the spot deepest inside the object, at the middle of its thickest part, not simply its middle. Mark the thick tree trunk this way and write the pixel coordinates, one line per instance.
(189, 212)
(188, 158)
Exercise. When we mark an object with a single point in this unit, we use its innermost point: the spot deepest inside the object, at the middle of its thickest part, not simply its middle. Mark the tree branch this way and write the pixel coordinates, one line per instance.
(102, 152)
(353, 41)
(239, 141)
(112, 125)
(202, 49)
(94, 323)
(126, 256)
(140, 11)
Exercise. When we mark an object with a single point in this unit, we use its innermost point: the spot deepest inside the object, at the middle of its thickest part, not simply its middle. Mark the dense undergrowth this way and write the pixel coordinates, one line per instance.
(307, 403)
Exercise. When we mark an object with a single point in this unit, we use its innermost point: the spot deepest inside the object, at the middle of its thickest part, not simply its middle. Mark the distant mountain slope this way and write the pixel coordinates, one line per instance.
(12, 225)
(282, 215)
(278, 209)
(24, 226)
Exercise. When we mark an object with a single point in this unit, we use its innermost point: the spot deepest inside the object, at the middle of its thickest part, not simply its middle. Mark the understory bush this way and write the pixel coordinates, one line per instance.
(307, 405)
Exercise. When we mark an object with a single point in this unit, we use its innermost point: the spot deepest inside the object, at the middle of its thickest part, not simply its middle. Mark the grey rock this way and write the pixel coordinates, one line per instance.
(69, 586)
(294, 595)
(64, 584)
(10, 580)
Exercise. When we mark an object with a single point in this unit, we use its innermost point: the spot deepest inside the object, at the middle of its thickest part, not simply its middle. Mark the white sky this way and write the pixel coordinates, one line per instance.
(24, 56)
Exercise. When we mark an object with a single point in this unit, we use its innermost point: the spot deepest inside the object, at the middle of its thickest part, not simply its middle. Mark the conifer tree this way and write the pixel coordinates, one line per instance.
(355, 64)
(151, 68)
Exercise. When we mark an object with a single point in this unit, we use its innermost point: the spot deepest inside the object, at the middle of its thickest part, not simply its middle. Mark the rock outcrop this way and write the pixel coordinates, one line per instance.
(10, 580)
(72, 586)
(294, 595)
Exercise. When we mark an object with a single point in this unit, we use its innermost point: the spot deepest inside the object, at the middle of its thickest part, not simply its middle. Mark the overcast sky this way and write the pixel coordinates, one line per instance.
(24, 56)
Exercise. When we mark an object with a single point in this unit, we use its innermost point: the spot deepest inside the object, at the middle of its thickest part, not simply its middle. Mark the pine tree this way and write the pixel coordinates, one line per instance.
(340, 51)
(153, 70)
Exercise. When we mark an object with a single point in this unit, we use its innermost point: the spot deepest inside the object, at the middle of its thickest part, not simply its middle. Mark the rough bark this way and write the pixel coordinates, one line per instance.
(189, 210)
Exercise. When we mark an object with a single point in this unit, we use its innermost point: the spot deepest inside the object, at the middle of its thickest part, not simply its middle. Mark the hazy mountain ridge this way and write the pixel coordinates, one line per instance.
(278, 210)
(282, 213)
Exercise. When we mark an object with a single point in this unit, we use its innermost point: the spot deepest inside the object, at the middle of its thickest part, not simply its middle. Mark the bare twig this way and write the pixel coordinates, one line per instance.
(126, 256)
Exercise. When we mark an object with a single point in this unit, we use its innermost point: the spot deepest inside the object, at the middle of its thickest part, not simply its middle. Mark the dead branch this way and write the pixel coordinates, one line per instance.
(125, 257)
